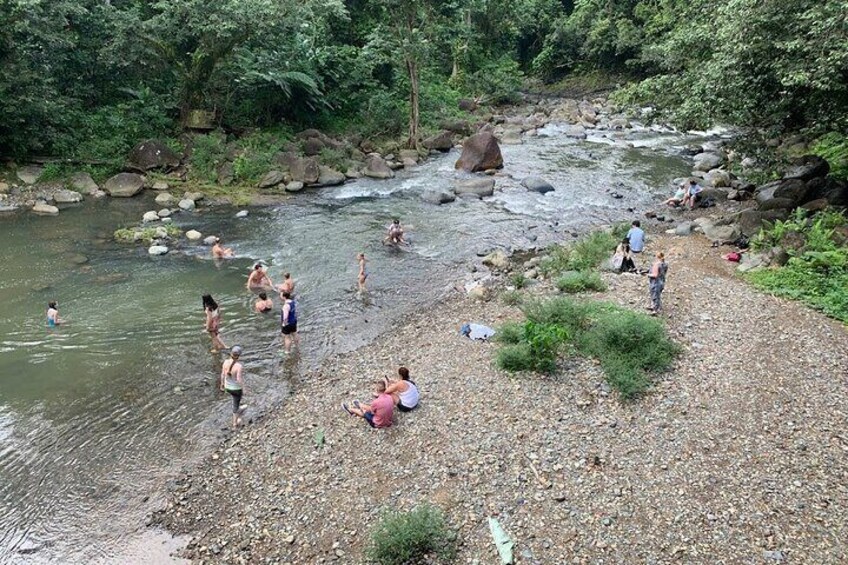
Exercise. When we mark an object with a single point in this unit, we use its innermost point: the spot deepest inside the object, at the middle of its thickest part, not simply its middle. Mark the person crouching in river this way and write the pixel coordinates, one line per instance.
(232, 381)
(213, 322)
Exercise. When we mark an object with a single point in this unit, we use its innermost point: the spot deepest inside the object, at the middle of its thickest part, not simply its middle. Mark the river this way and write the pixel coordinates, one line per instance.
(97, 415)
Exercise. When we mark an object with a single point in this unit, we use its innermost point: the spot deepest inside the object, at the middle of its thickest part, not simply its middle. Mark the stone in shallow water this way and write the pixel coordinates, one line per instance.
(157, 250)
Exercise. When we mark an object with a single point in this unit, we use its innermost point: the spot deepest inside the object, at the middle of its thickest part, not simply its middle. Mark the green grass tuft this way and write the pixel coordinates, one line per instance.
(580, 281)
(511, 298)
(419, 536)
(583, 255)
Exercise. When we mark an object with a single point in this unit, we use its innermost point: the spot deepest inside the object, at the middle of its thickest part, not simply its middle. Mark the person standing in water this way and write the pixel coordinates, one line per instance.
(259, 278)
(287, 285)
(656, 282)
(232, 381)
(363, 272)
(219, 251)
(213, 322)
(53, 318)
(288, 323)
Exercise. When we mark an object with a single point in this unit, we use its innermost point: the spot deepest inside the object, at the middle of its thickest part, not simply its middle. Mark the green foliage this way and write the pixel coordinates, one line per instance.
(583, 255)
(334, 158)
(833, 147)
(498, 81)
(817, 271)
(207, 153)
(419, 536)
(580, 281)
(511, 298)
(518, 280)
(146, 235)
(629, 345)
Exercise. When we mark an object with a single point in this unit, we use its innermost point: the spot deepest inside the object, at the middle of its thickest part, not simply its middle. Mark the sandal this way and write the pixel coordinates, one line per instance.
(346, 409)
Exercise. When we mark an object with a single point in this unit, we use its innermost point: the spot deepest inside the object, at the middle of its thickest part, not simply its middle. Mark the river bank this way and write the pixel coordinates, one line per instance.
(731, 457)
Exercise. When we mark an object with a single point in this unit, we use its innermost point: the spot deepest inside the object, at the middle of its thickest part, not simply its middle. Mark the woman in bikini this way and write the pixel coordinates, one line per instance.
(363, 272)
(232, 381)
(213, 322)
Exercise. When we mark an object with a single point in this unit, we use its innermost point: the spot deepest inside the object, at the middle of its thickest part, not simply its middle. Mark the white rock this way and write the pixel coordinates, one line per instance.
(164, 213)
(186, 204)
(210, 240)
(242, 214)
(45, 209)
(167, 220)
(193, 235)
(151, 216)
(160, 185)
(157, 250)
(165, 199)
(67, 197)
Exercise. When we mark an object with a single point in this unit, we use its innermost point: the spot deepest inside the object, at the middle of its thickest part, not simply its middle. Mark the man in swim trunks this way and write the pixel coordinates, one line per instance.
(287, 285)
(219, 251)
(288, 323)
(259, 278)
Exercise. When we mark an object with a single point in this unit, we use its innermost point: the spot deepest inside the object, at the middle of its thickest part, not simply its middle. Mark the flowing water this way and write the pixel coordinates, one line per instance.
(96, 415)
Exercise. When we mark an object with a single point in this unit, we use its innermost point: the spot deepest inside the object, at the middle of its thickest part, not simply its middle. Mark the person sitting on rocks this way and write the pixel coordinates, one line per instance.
(677, 199)
(264, 304)
(622, 262)
(404, 391)
(379, 413)
(219, 251)
(692, 194)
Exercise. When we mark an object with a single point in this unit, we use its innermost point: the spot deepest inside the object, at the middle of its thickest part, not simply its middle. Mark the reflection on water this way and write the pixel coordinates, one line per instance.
(96, 415)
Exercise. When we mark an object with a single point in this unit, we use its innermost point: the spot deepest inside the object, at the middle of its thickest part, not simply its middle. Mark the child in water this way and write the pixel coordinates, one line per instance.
(53, 318)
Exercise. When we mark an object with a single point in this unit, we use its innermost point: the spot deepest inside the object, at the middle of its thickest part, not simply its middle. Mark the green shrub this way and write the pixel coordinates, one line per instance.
(577, 281)
(518, 280)
(511, 298)
(583, 255)
(207, 153)
(833, 147)
(629, 345)
(419, 536)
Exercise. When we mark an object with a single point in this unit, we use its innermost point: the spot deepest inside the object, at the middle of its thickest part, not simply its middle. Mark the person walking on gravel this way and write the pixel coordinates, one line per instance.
(656, 282)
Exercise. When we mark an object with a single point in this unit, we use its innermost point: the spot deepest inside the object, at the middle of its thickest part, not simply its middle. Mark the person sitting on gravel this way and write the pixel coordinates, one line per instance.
(404, 391)
(622, 262)
(677, 199)
(379, 413)
(692, 194)
(636, 237)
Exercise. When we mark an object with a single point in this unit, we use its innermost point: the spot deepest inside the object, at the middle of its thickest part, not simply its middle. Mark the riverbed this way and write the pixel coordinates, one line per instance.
(96, 415)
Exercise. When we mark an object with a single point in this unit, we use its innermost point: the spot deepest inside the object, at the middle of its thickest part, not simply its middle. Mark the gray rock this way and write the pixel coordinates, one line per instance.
(295, 186)
(226, 174)
(29, 174)
(82, 182)
(242, 214)
(152, 154)
(478, 187)
(4, 187)
(186, 204)
(271, 179)
(707, 161)
(717, 178)
(305, 170)
(438, 196)
(45, 209)
(411, 154)
(160, 185)
(6, 208)
(576, 132)
(210, 240)
(353, 173)
(124, 185)
(151, 216)
(480, 152)
(66, 197)
(377, 168)
(714, 194)
(157, 250)
(619, 123)
(442, 141)
(683, 229)
(164, 213)
(196, 196)
(778, 556)
(329, 177)
(511, 136)
(193, 235)
(720, 233)
(496, 260)
(808, 168)
(312, 146)
(749, 221)
(165, 199)
(537, 184)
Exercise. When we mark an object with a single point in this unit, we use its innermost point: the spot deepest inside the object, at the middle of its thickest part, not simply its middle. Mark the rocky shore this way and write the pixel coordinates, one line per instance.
(737, 455)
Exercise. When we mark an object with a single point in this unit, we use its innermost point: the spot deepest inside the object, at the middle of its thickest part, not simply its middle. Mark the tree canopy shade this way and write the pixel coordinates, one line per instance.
(87, 78)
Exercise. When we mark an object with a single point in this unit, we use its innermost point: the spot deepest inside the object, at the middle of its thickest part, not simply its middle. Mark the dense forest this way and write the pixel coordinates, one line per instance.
(87, 79)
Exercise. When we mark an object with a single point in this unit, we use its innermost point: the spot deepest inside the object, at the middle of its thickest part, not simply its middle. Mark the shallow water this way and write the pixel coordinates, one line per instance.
(96, 415)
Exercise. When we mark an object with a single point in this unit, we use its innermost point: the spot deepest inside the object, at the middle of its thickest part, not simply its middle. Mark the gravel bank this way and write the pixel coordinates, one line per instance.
(739, 455)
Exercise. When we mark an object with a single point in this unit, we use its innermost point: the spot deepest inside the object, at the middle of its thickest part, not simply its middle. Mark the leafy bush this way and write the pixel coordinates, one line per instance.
(817, 271)
(580, 281)
(629, 345)
(207, 153)
(833, 147)
(257, 155)
(518, 280)
(498, 81)
(511, 298)
(582, 255)
(419, 536)
(334, 158)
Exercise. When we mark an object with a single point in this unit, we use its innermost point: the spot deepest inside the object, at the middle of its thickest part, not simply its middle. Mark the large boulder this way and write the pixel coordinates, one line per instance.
(442, 141)
(165, 199)
(716, 194)
(575, 131)
(330, 177)
(777, 204)
(462, 127)
(479, 153)
(807, 168)
(792, 189)
(271, 179)
(377, 168)
(295, 186)
(124, 185)
(477, 187)
(834, 191)
(312, 146)
(707, 161)
(305, 170)
(226, 174)
(45, 209)
(750, 222)
(82, 182)
(66, 197)
(152, 154)
(29, 174)
(537, 184)
(717, 178)
(715, 232)
(438, 196)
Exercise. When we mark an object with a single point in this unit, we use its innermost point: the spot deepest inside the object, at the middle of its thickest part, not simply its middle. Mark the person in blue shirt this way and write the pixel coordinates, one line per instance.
(636, 237)
(692, 194)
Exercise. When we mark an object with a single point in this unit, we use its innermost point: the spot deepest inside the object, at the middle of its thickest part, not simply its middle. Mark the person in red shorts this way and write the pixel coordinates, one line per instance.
(379, 413)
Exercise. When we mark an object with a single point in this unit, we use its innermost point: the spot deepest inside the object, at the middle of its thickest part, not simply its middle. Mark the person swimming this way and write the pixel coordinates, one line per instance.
(53, 318)
(219, 251)
(258, 278)
(264, 304)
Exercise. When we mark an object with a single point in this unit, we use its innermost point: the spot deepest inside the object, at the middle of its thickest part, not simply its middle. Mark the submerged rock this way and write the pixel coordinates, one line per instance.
(157, 250)
(476, 187)
(537, 184)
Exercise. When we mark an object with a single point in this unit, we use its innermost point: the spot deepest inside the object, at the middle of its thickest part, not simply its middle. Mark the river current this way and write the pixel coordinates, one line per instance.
(97, 415)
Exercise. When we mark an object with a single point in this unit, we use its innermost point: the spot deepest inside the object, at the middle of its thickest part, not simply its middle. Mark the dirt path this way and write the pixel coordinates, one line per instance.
(739, 455)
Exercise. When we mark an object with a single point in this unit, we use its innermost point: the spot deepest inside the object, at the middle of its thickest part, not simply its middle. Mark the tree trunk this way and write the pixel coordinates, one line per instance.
(414, 115)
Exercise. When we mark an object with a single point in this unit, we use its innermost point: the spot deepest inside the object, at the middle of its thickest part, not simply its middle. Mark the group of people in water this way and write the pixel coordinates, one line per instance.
(624, 261)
